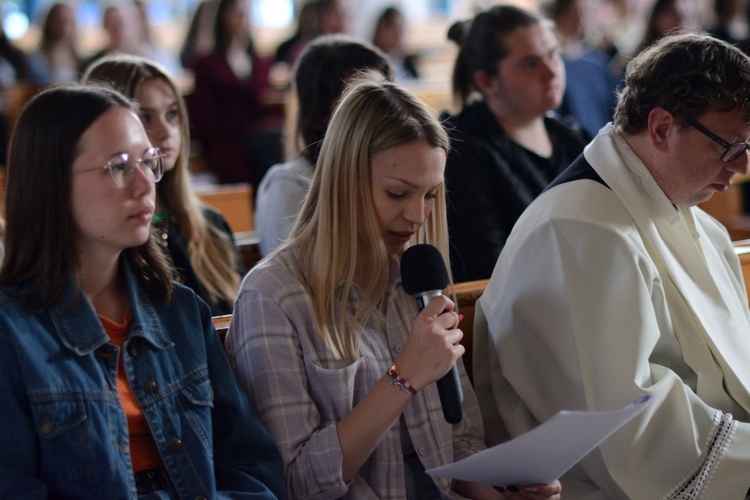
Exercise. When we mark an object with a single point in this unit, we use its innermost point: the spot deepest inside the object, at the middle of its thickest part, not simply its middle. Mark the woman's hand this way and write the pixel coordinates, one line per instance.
(433, 344)
(532, 491)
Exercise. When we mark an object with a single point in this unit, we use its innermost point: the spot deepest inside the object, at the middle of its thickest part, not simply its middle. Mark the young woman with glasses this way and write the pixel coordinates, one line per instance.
(113, 382)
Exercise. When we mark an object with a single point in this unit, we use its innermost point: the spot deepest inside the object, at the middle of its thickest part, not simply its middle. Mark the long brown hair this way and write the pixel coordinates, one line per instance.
(40, 252)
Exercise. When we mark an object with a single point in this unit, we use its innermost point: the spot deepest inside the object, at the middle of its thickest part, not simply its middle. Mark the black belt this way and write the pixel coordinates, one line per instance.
(150, 480)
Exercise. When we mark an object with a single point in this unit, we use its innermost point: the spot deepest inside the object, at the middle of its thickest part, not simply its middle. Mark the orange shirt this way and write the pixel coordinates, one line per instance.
(143, 451)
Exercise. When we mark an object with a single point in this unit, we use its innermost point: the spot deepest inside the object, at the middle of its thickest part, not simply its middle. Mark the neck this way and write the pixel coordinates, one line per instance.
(103, 285)
(529, 133)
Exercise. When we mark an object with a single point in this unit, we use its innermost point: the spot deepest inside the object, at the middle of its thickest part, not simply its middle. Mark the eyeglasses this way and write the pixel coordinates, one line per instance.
(733, 150)
(122, 167)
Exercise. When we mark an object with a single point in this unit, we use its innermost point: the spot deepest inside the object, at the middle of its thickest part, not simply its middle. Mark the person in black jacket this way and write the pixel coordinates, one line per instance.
(507, 145)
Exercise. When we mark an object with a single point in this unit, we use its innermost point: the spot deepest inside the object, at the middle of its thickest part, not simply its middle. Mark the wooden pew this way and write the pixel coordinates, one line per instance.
(467, 295)
(233, 201)
(221, 323)
(247, 243)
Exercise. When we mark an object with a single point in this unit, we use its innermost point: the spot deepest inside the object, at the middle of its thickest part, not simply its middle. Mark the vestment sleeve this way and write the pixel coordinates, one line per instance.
(576, 318)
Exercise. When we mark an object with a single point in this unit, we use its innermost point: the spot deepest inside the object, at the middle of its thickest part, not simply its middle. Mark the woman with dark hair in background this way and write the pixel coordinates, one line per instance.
(199, 37)
(666, 16)
(319, 78)
(234, 111)
(57, 59)
(507, 144)
(388, 36)
(307, 29)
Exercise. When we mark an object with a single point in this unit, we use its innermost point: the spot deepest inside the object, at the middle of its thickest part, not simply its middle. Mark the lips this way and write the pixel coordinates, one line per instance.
(145, 214)
(402, 236)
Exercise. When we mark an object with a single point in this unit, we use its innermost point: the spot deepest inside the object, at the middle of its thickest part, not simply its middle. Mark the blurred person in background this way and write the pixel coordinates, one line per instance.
(57, 59)
(236, 115)
(199, 37)
(319, 79)
(121, 23)
(507, 144)
(388, 36)
(589, 93)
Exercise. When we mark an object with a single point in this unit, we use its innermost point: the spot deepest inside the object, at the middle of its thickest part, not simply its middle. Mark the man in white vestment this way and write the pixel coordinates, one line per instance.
(614, 284)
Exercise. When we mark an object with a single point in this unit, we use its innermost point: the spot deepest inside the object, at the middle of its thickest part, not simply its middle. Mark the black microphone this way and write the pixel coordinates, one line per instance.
(423, 274)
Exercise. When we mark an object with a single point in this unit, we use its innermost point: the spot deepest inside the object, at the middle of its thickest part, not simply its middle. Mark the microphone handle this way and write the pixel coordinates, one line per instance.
(449, 386)
(451, 395)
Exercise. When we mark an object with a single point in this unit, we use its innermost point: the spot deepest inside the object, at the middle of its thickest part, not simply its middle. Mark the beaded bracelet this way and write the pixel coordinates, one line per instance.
(400, 382)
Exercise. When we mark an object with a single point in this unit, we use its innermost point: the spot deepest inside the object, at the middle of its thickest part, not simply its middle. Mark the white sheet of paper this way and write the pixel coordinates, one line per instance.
(544, 453)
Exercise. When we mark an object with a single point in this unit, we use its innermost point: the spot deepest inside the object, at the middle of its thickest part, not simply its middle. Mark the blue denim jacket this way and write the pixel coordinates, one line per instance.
(64, 434)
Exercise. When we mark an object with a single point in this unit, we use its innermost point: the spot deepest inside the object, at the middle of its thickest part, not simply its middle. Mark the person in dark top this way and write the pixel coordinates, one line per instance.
(198, 239)
(388, 36)
(507, 145)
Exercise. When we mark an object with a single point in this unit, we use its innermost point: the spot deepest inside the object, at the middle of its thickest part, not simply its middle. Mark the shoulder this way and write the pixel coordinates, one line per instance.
(184, 312)
(208, 64)
(565, 127)
(582, 206)
(475, 116)
(299, 171)
(275, 276)
(13, 309)
(214, 218)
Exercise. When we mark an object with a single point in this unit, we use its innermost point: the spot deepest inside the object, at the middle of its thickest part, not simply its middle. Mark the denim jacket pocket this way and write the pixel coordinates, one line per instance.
(63, 439)
(197, 401)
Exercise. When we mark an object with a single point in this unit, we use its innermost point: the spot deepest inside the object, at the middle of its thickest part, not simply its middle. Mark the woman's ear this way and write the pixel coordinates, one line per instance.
(486, 83)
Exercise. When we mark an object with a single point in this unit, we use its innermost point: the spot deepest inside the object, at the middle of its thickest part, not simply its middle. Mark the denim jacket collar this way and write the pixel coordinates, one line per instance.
(81, 331)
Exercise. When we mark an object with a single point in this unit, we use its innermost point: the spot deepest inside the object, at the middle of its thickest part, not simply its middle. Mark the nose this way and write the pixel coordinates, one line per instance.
(739, 165)
(416, 212)
(549, 68)
(159, 129)
(143, 181)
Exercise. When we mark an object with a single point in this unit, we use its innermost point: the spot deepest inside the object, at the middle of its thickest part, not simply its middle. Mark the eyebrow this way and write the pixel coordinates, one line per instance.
(174, 104)
(414, 186)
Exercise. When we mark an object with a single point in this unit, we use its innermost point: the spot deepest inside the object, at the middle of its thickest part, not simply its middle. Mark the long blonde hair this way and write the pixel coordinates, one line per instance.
(211, 253)
(371, 117)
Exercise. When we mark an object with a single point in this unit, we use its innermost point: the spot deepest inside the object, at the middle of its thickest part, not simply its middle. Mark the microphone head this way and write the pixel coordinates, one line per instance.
(423, 269)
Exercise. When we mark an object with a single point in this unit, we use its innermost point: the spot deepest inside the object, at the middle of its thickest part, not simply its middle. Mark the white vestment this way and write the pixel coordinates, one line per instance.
(606, 292)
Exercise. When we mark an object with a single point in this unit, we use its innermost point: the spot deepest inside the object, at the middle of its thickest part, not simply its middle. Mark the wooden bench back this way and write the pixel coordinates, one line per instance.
(467, 295)
(233, 201)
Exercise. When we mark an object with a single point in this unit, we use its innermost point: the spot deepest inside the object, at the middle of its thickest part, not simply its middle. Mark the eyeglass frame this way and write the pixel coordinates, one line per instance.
(128, 160)
(727, 145)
